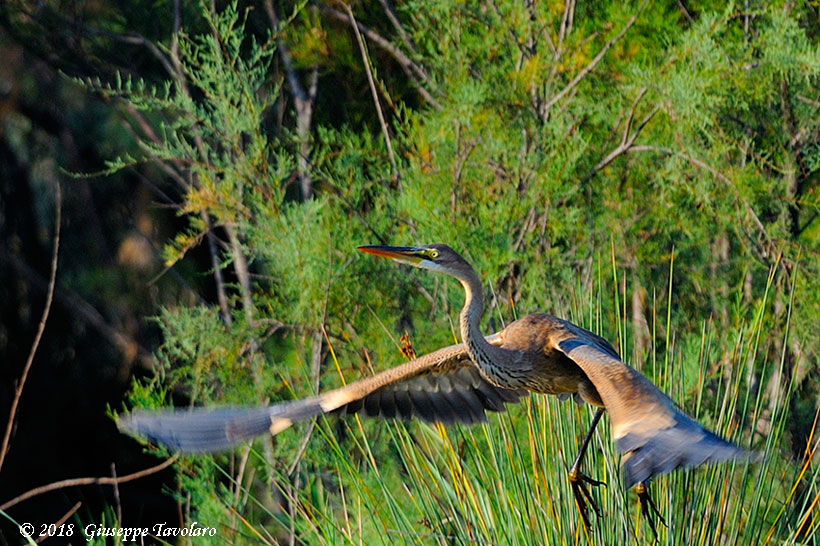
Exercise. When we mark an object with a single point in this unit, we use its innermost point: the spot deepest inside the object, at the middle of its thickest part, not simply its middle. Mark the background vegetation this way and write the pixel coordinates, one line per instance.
(648, 170)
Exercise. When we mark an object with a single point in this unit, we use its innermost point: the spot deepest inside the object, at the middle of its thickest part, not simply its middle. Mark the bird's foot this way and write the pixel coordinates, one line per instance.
(579, 481)
(648, 508)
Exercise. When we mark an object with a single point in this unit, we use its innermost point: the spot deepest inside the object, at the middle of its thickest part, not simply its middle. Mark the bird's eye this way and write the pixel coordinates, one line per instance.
(433, 253)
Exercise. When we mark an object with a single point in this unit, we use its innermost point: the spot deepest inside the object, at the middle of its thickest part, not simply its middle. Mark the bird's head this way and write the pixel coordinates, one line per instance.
(436, 257)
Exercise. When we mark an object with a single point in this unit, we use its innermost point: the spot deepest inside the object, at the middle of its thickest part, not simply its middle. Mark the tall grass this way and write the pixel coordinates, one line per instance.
(506, 483)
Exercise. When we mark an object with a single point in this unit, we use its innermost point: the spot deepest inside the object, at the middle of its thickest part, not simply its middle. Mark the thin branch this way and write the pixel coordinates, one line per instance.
(132, 38)
(627, 137)
(284, 53)
(148, 132)
(316, 359)
(589, 67)
(116, 486)
(304, 117)
(303, 101)
(243, 463)
(73, 482)
(315, 369)
(524, 52)
(175, 33)
(60, 521)
(685, 12)
(18, 392)
(809, 101)
(717, 174)
(373, 91)
(631, 115)
(796, 173)
(352, 209)
(240, 266)
(167, 167)
(566, 22)
(415, 72)
(394, 19)
(292, 504)
(127, 345)
(221, 294)
(725, 179)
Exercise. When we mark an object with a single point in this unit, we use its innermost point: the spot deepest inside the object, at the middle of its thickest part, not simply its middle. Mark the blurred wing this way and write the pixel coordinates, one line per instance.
(443, 386)
(647, 426)
(210, 430)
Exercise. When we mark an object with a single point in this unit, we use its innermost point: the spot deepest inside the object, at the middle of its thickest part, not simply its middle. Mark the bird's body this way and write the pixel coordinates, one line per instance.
(536, 365)
(538, 353)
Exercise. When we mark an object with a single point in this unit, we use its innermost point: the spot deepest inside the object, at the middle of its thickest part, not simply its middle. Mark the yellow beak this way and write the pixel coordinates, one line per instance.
(408, 254)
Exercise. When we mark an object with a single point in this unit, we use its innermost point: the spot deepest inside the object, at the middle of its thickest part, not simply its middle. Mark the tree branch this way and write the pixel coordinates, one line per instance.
(375, 94)
(565, 28)
(73, 482)
(394, 19)
(221, 294)
(415, 72)
(303, 101)
(589, 67)
(720, 176)
(18, 392)
(127, 345)
(62, 520)
(627, 138)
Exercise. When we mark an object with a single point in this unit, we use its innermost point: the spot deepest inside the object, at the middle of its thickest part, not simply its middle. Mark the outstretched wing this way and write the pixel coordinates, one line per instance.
(654, 434)
(211, 430)
(456, 393)
(443, 386)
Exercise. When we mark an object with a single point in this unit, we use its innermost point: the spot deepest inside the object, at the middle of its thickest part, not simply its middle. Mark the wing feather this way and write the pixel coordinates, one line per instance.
(387, 405)
(403, 406)
(428, 409)
(647, 426)
(443, 386)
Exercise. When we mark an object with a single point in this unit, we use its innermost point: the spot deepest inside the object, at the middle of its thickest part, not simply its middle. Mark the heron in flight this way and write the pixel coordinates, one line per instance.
(459, 383)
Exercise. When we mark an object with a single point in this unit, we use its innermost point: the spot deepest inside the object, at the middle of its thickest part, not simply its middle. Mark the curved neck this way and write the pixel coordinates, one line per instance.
(481, 352)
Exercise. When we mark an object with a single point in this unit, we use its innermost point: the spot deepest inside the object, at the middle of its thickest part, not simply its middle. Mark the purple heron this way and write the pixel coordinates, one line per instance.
(538, 353)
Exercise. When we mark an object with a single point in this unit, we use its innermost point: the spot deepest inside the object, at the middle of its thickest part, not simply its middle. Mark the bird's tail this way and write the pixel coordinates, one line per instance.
(205, 430)
(684, 445)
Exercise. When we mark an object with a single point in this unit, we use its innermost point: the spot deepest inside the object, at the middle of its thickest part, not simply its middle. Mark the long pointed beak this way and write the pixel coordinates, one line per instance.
(409, 254)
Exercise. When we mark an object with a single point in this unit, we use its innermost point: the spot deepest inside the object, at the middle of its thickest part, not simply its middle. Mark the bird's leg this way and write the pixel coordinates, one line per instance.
(648, 508)
(578, 480)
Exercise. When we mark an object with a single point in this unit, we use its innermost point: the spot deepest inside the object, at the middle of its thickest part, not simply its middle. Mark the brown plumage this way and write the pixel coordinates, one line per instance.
(538, 353)
(442, 386)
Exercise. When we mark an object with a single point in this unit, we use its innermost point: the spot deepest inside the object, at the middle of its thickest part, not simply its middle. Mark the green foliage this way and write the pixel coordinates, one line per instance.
(220, 139)
(504, 482)
(628, 136)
